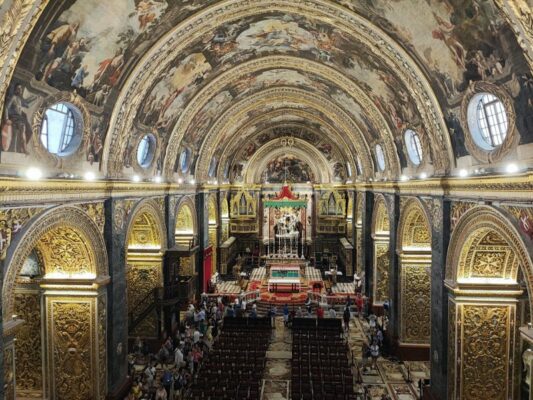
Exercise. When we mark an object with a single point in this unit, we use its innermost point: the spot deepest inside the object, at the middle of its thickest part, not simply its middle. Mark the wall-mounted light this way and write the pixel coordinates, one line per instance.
(180, 181)
(136, 178)
(423, 175)
(404, 178)
(158, 179)
(34, 174)
(89, 176)
(463, 173)
(512, 168)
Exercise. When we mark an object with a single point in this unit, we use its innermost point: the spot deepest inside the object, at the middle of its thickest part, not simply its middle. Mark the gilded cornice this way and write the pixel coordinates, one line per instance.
(20, 191)
(498, 187)
(172, 44)
(273, 62)
(287, 98)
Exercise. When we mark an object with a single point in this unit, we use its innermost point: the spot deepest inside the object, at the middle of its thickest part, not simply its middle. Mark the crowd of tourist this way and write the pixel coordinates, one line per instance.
(168, 373)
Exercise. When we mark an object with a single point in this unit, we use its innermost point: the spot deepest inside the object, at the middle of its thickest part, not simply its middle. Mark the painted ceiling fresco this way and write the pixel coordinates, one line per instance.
(234, 166)
(90, 48)
(287, 169)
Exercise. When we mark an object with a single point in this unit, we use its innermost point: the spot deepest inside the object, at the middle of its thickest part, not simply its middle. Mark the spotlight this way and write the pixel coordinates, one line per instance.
(34, 174)
(192, 181)
(512, 168)
(180, 181)
(463, 173)
(136, 178)
(158, 179)
(215, 182)
(89, 176)
(404, 178)
(423, 175)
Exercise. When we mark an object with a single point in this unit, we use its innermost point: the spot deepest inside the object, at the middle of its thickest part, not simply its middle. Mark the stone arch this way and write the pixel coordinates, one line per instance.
(414, 251)
(145, 244)
(381, 242)
(63, 312)
(485, 260)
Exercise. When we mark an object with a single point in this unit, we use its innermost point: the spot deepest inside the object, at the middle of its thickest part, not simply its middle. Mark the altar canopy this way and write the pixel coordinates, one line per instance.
(284, 199)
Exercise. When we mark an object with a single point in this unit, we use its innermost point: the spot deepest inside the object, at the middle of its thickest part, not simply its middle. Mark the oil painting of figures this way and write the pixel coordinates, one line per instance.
(287, 169)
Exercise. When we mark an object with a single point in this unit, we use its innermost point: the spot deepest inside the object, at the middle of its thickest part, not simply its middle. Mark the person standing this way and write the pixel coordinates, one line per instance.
(374, 352)
(286, 314)
(346, 317)
(320, 312)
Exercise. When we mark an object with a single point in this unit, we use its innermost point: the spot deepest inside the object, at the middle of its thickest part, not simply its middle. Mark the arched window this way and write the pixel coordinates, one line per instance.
(61, 129)
(414, 148)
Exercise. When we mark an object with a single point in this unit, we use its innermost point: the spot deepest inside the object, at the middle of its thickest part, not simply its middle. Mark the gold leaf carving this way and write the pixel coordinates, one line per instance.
(416, 302)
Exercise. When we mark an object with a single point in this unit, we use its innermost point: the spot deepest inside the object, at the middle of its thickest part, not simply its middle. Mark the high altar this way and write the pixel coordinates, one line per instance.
(286, 221)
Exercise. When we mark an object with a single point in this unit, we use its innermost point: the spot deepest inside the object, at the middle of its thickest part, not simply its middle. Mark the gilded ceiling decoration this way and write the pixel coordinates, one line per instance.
(388, 65)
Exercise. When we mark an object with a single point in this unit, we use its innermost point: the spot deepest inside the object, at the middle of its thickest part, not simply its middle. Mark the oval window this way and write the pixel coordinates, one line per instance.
(487, 121)
(146, 150)
(380, 157)
(414, 147)
(61, 129)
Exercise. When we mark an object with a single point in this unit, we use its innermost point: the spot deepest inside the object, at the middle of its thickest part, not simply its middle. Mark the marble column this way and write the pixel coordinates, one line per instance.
(367, 245)
(116, 211)
(439, 210)
(393, 206)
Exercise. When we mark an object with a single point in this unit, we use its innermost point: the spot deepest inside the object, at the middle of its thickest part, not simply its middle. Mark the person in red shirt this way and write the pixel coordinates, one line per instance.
(320, 312)
(359, 304)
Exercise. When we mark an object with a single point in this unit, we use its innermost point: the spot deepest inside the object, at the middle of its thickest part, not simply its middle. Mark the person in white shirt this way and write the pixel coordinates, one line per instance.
(196, 336)
(178, 357)
(332, 313)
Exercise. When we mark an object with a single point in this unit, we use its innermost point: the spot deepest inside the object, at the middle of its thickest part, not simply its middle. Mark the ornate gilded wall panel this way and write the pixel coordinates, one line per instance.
(381, 272)
(12, 221)
(142, 278)
(121, 213)
(96, 212)
(225, 232)
(9, 372)
(486, 353)
(186, 266)
(102, 345)
(65, 252)
(70, 345)
(452, 349)
(29, 346)
(458, 208)
(213, 242)
(415, 297)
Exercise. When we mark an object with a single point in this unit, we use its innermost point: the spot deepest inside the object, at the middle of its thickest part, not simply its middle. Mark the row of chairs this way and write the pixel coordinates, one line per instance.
(320, 366)
(234, 367)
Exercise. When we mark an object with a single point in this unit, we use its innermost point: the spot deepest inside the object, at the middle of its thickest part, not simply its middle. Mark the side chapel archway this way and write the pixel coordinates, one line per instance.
(414, 251)
(485, 262)
(381, 242)
(55, 283)
(145, 248)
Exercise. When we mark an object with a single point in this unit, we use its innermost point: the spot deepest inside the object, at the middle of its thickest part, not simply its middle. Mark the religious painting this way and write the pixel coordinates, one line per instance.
(287, 169)
(16, 127)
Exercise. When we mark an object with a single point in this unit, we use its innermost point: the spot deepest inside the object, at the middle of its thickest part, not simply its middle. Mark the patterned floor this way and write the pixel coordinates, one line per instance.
(230, 287)
(258, 274)
(389, 377)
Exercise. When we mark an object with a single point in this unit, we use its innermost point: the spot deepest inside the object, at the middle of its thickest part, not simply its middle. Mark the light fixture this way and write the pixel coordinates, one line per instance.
(463, 173)
(34, 174)
(180, 181)
(89, 176)
(136, 178)
(158, 179)
(512, 168)
(423, 175)
(192, 181)
(215, 182)
(404, 178)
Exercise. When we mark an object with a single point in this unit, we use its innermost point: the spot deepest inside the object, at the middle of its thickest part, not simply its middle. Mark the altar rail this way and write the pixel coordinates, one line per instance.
(319, 299)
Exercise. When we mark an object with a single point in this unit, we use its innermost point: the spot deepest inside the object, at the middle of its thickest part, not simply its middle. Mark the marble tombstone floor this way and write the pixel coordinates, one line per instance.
(388, 378)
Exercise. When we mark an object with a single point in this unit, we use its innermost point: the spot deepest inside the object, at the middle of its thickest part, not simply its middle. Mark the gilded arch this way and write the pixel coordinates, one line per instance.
(414, 250)
(186, 217)
(76, 224)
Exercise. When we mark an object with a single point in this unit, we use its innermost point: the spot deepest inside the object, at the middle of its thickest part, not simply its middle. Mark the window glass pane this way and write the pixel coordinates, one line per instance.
(492, 120)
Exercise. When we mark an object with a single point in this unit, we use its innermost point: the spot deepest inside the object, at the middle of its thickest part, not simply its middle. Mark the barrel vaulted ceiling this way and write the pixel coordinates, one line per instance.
(221, 83)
